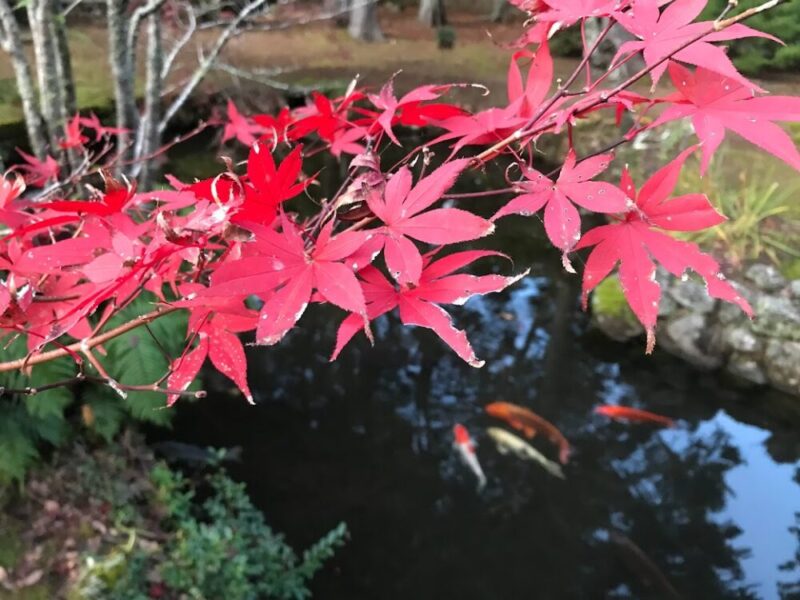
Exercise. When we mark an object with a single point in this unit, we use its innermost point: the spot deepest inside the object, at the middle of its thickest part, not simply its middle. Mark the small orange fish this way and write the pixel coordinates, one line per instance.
(529, 423)
(633, 414)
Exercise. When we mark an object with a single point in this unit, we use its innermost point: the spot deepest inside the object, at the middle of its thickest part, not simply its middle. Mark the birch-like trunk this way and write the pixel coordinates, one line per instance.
(148, 136)
(41, 19)
(11, 42)
(124, 79)
(64, 65)
(364, 23)
(432, 13)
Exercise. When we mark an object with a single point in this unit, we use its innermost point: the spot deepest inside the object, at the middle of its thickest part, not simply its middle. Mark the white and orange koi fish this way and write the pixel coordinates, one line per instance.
(466, 449)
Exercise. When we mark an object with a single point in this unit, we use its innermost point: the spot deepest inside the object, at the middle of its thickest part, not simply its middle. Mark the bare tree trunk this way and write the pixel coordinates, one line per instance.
(11, 42)
(601, 59)
(41, 18)
(64, 65)
(124, 78)
(149, 138)
(364, 23)
(432, 13)
(499, 11)
(340, 9)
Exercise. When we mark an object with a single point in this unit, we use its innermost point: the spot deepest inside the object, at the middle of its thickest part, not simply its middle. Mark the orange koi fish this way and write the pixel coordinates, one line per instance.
(466, 449)
(529, 423)
(633, 414)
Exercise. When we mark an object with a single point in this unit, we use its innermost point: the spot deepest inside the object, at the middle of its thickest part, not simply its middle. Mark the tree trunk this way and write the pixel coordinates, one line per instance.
(605, 53)
(124, 79)
(11, 42)
(499, 11)
(432, 13)
(364, 23)
(64, 66)
(149, 137)
(41, 19)
(340, 10)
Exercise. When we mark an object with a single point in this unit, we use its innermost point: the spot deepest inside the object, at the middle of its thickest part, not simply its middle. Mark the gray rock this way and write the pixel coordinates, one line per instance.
(617, 328)
(766, 277)
(782, 364)
(742, 339)
(744, 366)
(730, 313)
(794, 288)
(667, 306)
(777, 317)
(687, 337)
(692, 295)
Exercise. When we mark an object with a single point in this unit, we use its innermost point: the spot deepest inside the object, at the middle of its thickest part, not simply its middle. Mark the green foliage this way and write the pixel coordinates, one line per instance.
(754, 55)
(219, 547)
(763, 217)
(51, 417)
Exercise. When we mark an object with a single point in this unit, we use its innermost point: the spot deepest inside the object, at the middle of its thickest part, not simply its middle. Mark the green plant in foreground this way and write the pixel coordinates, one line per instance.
(763, 217)
(218, 548)
(52, 417)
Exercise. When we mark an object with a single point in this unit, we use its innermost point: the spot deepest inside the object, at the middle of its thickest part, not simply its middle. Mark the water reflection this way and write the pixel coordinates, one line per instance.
(704, 510)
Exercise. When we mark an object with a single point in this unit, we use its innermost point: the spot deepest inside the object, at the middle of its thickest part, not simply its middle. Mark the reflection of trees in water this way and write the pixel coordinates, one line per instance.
(377, 454)
(789, 589)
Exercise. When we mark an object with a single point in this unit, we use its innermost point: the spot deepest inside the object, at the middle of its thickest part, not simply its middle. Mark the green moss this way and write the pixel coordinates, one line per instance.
(11, 547)
(791, 269)
(609, 301)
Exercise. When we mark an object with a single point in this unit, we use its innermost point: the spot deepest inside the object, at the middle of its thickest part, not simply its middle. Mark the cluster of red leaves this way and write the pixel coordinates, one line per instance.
(209, 246)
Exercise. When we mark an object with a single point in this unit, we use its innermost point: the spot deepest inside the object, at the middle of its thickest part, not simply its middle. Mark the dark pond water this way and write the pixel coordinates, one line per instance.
(367, 440)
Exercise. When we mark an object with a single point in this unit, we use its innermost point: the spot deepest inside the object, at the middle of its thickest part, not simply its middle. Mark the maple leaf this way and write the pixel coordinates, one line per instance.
(214, 322)
(715, 103)
(636, 243)
(73, 138)
(10, 190)
(112, 202)
(562, 222)
(402, 209)
(238, 126)
(274, 127)
(37, 172)
(324, 116)
(661, 34)
(267, 185)
(419, 305)
(279, 268)
(409, 109)
(100, 130)
(568, 12)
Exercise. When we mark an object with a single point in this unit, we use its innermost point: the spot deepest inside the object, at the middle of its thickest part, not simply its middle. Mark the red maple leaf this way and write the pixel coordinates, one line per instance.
(324, 116)
(240, 127)
(636, 243)
(715, 103)
(568, 12)
(402, 209)
(37, 172)
(112, 202)
(419, 304)
(280, 269)
(562, 222)
(214, 322)
(100, 130)
(661, 34)
(73, 138)
(10, 189)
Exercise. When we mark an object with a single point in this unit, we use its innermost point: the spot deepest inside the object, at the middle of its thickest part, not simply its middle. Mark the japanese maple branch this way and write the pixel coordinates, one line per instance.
(79, 378)
(88, 343)
(529, 130)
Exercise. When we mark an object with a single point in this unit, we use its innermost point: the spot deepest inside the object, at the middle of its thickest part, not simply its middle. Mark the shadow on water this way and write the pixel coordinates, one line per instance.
(705, 510)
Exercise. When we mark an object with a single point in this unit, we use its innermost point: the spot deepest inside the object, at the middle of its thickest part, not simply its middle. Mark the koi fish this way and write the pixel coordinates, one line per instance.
(529, 423)
(508, 442)
(642, 565)
(633, 414)
(466, 449)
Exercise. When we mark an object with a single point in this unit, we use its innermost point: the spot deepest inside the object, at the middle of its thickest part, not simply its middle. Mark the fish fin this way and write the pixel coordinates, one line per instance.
(529, 432)
(502, 449)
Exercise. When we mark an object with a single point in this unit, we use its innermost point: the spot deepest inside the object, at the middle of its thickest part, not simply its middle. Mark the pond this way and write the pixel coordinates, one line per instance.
(702, 510)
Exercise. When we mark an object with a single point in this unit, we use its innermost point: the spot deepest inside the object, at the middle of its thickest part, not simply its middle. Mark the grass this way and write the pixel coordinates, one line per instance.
(762, 209)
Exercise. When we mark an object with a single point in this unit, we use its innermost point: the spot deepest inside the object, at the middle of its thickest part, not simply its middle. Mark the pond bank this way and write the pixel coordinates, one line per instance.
(712, 335)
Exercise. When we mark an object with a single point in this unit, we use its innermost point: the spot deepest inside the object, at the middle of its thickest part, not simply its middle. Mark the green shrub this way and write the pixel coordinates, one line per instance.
(218, 548)
(29, 423)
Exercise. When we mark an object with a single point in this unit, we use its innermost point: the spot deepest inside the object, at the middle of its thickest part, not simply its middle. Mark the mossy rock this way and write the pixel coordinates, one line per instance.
(791, 269)
(611, 313)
